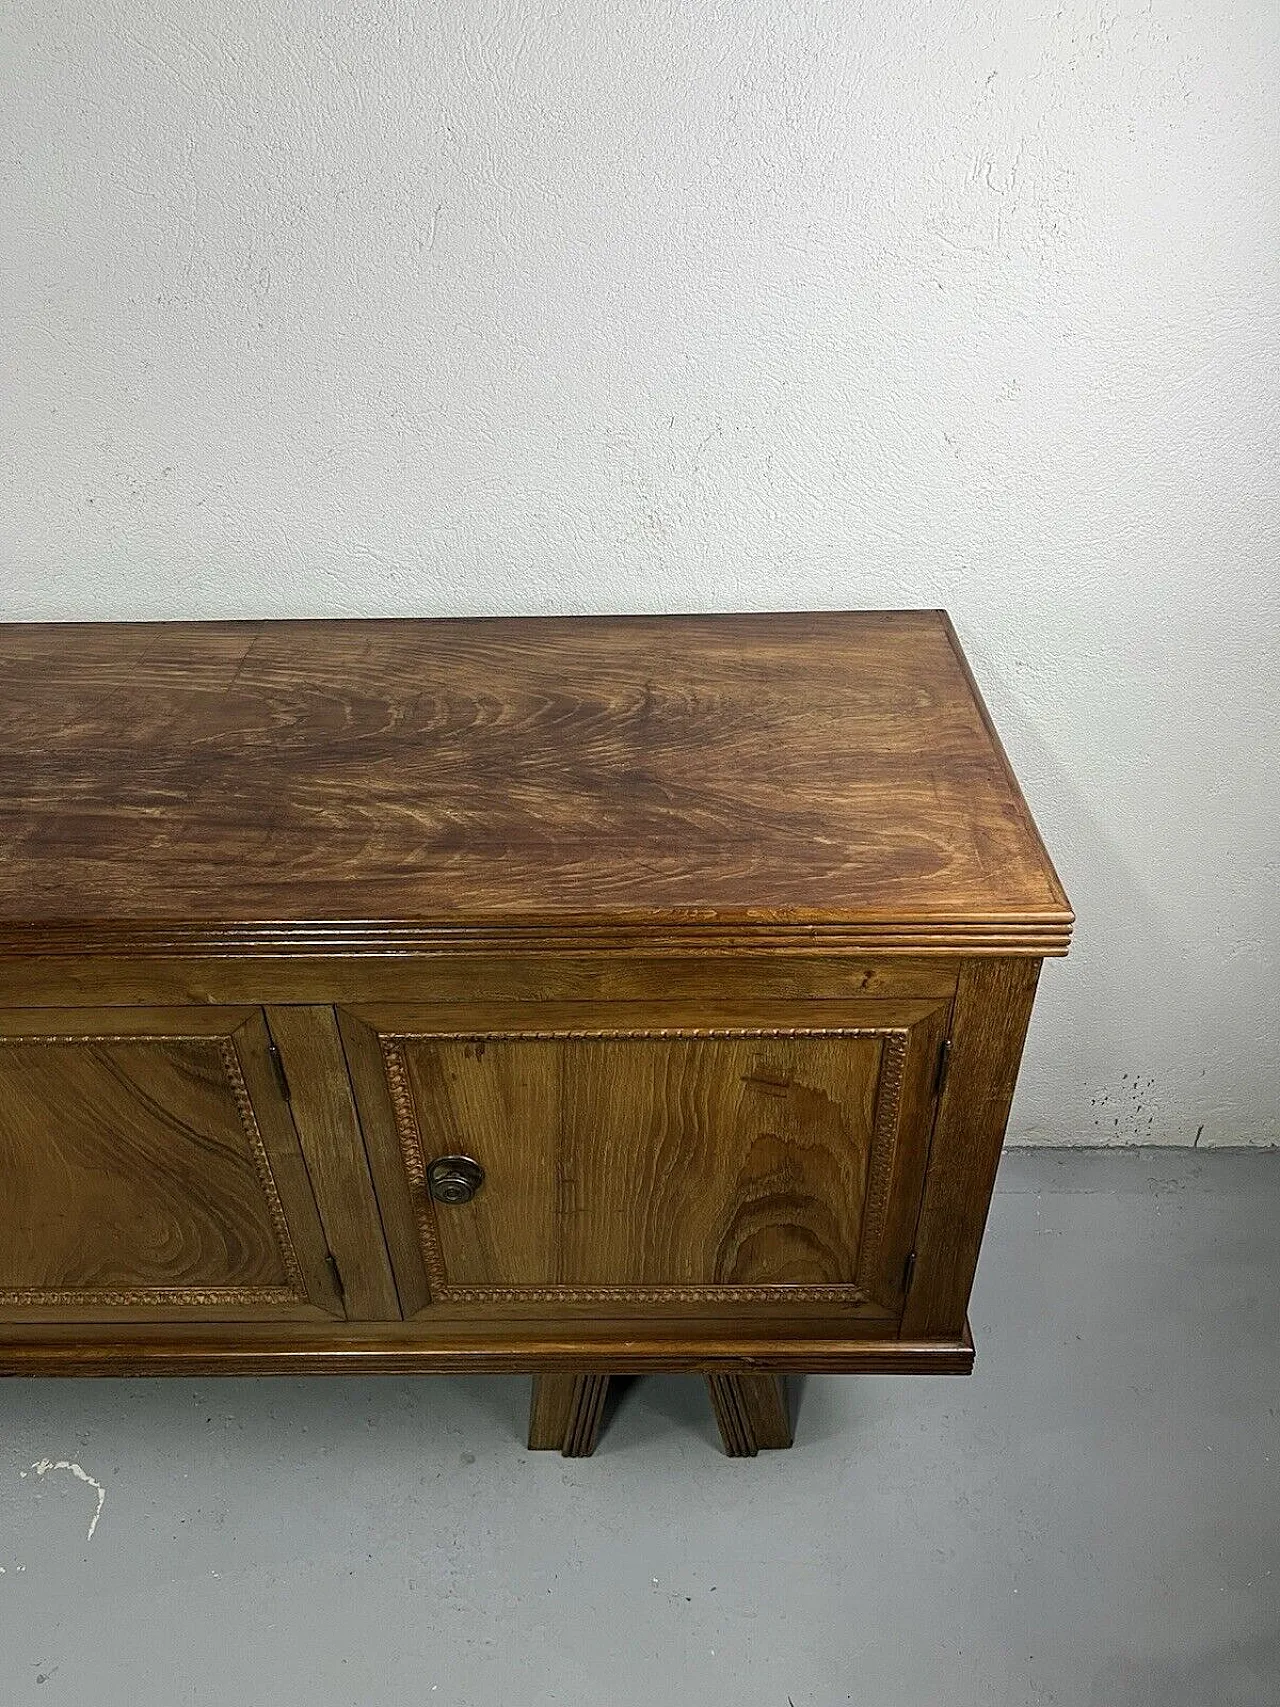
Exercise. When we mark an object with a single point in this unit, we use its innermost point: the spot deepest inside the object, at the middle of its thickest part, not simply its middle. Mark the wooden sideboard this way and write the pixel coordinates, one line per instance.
(569, 996)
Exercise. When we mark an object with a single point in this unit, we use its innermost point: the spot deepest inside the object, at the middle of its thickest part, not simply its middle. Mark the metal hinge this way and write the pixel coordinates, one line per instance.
(277, 1063)
(944, 1067)
(336, 1272)
(908, 1272)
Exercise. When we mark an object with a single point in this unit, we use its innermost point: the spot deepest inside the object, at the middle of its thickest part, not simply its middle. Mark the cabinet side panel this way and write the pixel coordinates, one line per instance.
(992, 1010)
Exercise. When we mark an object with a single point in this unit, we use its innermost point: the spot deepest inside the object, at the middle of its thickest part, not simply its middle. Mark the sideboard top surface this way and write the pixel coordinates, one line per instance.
(329, 785)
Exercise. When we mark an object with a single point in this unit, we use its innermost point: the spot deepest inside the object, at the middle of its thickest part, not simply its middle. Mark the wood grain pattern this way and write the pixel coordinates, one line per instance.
(656, 1169)
(992, 1011)
(671, 934)
(663, 919)
(381, 1124)
(751, 1412)
(603, 1346)
(379, 785)
(696, 1166)
(70, 981)
(148, 1168)
(565, 1413)
(324, 1114)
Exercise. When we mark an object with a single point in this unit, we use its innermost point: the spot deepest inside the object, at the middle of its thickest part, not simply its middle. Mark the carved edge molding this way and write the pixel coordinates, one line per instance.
(414, 1156)
(884, 1144)
(180, 1297)
(608, 1034)
(764, 1292)
(262, 1167)
(884, 1152)
(1037, 935)
(157, 1297)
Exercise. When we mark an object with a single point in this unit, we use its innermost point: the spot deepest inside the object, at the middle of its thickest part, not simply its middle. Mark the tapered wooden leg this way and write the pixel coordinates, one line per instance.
(751, 1411)
(565, 1413)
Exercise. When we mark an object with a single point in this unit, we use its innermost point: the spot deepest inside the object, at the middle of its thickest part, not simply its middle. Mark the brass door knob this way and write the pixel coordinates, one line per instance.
(454, 1179)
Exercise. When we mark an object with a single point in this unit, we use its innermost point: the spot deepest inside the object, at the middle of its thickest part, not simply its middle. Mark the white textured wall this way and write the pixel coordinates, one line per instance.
(475, 306)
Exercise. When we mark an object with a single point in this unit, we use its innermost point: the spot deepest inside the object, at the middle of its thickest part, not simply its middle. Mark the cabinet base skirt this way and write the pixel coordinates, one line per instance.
(259, 1349)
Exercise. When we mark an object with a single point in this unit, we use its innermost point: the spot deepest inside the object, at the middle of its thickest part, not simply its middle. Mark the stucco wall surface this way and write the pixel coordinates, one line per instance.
(413, 308)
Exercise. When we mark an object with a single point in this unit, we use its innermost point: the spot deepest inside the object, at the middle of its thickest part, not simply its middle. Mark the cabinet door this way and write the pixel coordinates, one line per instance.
(632, 1157)
(149, 1170)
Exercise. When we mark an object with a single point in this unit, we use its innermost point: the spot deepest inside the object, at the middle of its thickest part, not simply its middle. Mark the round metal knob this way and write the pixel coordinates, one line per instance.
(454, 1179)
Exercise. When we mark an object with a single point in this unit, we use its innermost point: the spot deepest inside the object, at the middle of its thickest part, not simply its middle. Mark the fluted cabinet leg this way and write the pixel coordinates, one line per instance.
(565, 1413)
(751, 1411)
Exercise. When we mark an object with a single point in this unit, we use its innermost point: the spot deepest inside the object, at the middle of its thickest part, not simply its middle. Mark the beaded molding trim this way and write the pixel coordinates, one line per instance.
(180, 1297)
(884, 1143)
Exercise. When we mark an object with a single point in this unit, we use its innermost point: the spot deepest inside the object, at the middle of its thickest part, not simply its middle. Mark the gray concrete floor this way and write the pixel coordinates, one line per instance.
(1092, 1518)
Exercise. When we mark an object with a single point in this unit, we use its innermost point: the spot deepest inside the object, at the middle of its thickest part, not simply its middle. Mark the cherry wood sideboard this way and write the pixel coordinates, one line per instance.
(567, 996)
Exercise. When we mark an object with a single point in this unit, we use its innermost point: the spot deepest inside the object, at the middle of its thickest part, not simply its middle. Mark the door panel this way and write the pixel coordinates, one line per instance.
(756, 1156)
(151, 1171)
